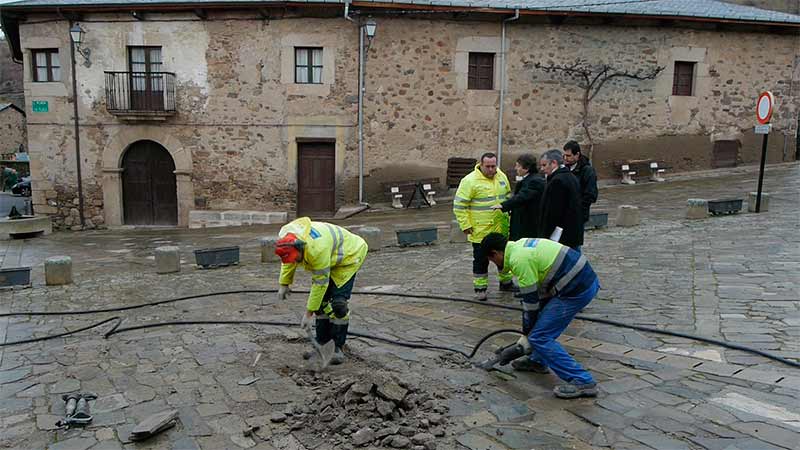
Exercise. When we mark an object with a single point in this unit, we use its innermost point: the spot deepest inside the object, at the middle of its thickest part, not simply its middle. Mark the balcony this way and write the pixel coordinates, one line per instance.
(140, 95)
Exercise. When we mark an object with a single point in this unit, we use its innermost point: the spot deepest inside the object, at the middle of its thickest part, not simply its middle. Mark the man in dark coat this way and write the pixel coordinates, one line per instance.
(561, 202)
(524, 204)
(583, 170)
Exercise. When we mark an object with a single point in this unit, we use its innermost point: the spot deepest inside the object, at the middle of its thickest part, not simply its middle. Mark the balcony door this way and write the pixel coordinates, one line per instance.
(147, 79)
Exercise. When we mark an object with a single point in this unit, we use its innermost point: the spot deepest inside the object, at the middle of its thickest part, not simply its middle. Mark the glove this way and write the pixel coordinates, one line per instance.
(305, 322)
(520, 348)
(283, 292)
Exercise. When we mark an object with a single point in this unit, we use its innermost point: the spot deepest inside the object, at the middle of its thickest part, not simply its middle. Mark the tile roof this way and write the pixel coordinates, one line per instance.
(703, 9)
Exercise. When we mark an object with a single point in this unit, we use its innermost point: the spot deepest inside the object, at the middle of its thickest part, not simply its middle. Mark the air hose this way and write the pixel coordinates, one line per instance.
(115, 329)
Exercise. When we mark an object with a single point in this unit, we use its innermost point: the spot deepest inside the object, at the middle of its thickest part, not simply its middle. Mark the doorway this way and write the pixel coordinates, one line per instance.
(316, 179)
(149, 191)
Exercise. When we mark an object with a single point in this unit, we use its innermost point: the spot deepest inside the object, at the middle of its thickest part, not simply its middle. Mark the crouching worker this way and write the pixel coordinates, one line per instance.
(555, 282)
(333, 255)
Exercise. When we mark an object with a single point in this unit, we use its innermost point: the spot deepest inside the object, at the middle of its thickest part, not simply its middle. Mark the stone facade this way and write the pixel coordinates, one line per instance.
(12, 131)
(10, 77)
(240, 116)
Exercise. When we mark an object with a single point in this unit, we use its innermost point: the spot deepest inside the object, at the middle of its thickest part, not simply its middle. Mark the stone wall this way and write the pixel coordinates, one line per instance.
(12, 131)
(10, 77)
(240, 115)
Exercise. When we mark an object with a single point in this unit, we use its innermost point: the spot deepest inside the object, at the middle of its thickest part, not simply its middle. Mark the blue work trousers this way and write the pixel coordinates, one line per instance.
(552, 321)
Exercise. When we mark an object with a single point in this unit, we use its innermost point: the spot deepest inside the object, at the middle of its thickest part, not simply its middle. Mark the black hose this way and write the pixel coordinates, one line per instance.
(718, 342)
(67, 333)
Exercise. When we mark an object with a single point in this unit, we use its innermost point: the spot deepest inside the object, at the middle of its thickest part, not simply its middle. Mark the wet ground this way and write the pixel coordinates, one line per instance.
(732, 278)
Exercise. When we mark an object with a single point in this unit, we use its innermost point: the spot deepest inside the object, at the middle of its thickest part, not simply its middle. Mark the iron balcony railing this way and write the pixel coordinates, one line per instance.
(140, 92)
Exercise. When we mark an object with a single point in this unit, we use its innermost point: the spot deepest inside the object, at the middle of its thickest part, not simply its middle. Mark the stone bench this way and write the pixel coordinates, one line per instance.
(211, 219)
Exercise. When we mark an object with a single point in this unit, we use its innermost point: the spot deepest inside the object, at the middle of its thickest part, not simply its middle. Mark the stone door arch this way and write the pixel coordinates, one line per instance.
(149, 190)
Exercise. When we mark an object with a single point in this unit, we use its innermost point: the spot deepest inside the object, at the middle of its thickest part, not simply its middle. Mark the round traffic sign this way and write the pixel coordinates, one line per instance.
(764, 107)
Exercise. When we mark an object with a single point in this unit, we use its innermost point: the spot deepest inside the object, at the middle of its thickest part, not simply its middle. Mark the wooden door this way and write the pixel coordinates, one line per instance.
(316, 179)
(147, 80)
(149, 191)
(725, 154)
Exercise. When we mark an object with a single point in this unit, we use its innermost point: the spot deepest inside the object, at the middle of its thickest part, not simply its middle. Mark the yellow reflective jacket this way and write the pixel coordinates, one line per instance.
(473, 201)
(331, 253)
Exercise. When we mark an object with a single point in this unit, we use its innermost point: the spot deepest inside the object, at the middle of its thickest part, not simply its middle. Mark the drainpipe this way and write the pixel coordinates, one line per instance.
(502, 85)
(360, 103)
(77, 130)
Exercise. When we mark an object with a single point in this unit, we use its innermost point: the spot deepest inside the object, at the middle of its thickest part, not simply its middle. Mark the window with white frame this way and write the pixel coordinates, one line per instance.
(308, 65)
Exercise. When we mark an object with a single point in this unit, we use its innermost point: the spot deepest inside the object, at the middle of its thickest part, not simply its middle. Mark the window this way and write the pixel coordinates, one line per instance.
(46, 65)
(481, 71)
(683, 80)
(308, 65)
(146, 80)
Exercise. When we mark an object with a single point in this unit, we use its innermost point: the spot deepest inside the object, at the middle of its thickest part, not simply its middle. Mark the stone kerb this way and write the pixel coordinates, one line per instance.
(58, 270)
(168, 259)
(696, 208)
(627, 216)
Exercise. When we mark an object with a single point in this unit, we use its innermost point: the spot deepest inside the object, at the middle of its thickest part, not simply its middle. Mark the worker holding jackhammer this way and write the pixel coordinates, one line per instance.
(476, 206)
(333, 255)
(555, 283)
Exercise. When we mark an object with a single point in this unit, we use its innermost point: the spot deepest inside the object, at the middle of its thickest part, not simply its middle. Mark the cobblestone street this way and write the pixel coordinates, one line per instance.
(733, 278)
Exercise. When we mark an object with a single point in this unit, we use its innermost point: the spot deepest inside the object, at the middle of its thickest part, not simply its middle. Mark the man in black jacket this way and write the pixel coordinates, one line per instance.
(583, 170)
(524, 205)
(561, 202)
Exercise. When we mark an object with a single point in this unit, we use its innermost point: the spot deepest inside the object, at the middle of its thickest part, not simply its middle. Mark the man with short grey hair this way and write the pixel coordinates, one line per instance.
(561, 202)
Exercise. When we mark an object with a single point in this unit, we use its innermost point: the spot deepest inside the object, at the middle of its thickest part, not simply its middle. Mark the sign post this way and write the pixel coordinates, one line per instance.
(763, 114)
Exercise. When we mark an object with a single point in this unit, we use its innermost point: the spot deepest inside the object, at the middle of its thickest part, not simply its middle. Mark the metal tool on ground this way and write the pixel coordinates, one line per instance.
(322, 353)
(77, 410)
(154, 424)
(505, 355)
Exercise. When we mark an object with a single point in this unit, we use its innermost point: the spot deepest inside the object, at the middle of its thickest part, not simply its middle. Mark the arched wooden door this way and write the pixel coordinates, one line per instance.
(149, 193)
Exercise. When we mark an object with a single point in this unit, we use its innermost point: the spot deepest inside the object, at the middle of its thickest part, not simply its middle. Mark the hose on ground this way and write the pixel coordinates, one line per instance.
(718, 342)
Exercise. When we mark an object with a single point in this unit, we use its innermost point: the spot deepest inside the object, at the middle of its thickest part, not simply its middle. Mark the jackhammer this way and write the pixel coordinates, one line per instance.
(77, 410)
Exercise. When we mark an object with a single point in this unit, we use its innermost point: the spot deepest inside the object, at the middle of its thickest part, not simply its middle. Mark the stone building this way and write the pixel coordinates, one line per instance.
(11, 89)
(253, 106)
(12, 129)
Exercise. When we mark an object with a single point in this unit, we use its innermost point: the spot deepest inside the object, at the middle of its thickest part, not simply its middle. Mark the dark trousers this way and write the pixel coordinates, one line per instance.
(328, 325)
(480, 270)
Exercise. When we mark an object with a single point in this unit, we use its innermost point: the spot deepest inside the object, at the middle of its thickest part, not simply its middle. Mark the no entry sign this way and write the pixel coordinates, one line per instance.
(764, 107)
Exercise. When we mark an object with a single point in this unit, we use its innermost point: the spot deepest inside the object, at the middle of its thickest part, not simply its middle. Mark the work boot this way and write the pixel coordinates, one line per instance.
(509, 287)
(575, 390)
(480, 294)
(526, 365)
(338, 357)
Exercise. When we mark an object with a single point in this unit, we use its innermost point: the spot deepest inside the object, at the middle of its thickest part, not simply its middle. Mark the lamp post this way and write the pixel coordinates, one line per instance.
(367, 29)
(76, 37)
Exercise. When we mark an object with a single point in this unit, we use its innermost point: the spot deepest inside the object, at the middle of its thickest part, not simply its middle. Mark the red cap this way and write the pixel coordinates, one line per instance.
(288, 248)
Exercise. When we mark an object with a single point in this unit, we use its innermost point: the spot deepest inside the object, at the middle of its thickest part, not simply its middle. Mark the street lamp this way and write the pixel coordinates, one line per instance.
(370, 27)
(76, 33)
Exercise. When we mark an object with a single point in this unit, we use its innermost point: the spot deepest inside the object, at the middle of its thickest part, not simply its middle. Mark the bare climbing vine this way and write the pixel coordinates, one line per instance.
(591, 78)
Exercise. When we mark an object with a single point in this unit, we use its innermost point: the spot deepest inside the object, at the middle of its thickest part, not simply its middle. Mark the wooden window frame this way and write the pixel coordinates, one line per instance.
(480, 75)
(683, 78)
(48, 52)
(309, 66)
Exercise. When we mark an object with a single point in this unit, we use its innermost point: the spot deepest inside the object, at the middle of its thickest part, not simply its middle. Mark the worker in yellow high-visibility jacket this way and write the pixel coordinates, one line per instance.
(475, 208)
(333, 255)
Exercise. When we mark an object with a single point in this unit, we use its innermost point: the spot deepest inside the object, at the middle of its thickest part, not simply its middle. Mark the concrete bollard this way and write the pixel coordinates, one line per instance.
(168, 259)
(627, 216)
(58, 270)
(373, 236)
(696, 208)
(456, 235)
(751, 201)
(268, 250)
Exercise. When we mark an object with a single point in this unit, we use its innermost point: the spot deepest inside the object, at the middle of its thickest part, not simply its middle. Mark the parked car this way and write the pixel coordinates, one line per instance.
(23, 187)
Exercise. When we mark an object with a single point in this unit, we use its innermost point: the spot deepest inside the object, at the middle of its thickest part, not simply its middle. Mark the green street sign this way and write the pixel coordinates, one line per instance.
(40, 106)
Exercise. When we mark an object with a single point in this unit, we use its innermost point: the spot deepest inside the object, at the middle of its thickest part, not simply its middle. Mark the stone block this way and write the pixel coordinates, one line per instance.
(58, 270)
(751, 201)
(373, 236)
(456, 235)
(696, 208)
(278, 217)
(268, 249)
(627, 216)
(168, 259)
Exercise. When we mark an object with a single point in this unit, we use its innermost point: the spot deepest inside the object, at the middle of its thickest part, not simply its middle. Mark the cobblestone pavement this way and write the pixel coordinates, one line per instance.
(732, 278)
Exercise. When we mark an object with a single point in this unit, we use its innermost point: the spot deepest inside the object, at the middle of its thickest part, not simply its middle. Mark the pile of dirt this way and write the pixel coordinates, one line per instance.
(375, 410)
